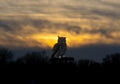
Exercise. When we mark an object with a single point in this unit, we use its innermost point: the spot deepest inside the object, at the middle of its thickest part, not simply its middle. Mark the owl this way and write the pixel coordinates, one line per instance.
(60, 47)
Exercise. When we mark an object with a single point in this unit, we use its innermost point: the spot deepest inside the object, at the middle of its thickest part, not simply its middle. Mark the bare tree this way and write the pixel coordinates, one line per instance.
(5, 54)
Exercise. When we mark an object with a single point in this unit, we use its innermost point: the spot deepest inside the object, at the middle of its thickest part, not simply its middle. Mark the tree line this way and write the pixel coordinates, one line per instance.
(40, 58)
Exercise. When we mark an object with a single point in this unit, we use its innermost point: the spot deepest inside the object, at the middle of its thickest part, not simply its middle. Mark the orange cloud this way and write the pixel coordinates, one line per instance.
(31, 31)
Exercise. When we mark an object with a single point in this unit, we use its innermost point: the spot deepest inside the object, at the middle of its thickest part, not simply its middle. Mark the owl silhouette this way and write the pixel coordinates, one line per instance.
(60, 47)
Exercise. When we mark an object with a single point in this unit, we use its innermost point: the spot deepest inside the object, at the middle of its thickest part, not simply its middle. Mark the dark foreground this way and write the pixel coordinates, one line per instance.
(36, 68)
(56, 73)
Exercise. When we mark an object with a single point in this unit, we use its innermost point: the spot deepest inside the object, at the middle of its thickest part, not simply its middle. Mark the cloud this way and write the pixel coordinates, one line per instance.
(39, 22)
(20, 32)
(102, 31)
(106, 13)
(31, 31)
(35, 24)
(9, 26)
(61, 7)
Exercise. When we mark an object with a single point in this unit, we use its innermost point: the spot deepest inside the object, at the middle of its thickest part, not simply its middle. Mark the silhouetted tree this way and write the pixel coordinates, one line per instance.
(113, 58)
(34, 58)
(5, 55)
(84, 63)
(111, 62)
(88, 65)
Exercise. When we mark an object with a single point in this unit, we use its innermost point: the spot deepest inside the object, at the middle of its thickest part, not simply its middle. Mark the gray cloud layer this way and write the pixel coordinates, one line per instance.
(39, 25)
(28, 26)
(73, 8)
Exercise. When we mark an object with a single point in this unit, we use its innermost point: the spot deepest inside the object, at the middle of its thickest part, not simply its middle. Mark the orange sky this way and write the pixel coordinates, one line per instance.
(32, 31)
(38, 23)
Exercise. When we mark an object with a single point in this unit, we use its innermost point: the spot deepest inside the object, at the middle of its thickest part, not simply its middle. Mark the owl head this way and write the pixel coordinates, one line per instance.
(61, 39)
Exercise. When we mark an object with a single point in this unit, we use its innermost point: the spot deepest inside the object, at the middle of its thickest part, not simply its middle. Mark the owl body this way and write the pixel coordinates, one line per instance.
(60, 47)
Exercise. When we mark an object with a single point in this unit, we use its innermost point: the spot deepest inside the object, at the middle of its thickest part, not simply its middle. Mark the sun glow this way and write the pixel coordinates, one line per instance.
(48, 40)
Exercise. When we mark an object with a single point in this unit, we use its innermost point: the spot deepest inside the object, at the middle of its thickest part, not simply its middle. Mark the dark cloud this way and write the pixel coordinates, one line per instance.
(12, 25)
(70, 8)
(39, 25)
(76, 11)
(15, 26)
(110, 9)
(110, 3)
(103, 31)
(68, 27)
(106, 13)
(8, 25)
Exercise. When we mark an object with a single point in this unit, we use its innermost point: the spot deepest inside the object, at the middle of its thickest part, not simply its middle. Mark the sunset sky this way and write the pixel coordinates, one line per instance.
(92, 27)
